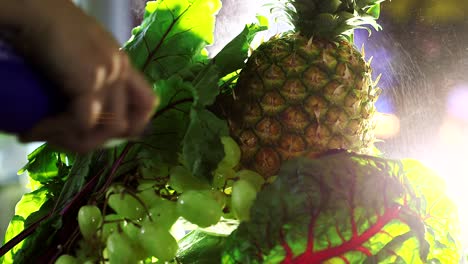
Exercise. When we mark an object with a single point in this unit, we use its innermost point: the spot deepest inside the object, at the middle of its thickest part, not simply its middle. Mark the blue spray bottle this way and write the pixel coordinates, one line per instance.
(25, 96)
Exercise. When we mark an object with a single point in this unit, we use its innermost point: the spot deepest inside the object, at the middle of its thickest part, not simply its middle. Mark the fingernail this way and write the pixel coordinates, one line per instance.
(100, 78)
(116, 68)
(96, 110)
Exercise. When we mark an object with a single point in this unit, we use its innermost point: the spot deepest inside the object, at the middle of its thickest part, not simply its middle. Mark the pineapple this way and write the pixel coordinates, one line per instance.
(307, 92)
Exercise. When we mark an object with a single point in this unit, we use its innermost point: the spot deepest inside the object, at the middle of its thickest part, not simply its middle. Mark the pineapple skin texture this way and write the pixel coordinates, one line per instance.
(302, 97)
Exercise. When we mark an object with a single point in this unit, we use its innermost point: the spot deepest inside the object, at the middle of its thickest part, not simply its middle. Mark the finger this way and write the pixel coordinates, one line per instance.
(76, 142)
(86, 111)
(119, 67)
(113, 70)
(82, 141)
(105, 102)
(99, 61)
(141, 104)
(60, 134)
(69, 142)
(113, 121)
(60, 124)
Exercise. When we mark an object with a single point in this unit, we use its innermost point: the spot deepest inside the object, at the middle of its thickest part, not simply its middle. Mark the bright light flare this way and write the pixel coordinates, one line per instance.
(386, 125)
(457, 102)
(449, 159)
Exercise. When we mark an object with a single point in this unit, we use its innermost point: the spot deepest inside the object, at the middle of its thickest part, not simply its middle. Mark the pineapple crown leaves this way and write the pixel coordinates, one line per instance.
(332, 19)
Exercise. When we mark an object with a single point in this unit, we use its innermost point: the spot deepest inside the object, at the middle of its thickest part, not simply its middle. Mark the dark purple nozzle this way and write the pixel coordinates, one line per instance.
(25, 97)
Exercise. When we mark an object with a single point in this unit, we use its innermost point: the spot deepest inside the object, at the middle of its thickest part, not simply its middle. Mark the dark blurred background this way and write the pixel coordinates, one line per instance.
(422, 54)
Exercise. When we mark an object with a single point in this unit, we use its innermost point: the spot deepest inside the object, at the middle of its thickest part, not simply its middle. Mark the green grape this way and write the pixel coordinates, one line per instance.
(158, 242)
(221, 175)
(148, 196)
(110, 225)
(232, 152)
(218, 196)
(164, 213)
(199, 208)
(132, 232)
(115, 189)
(145, 186)
(127, 206)
(242, 198)
(66, 259)
(182, 180)
(120, 249)
(252, 177)
(89, 220)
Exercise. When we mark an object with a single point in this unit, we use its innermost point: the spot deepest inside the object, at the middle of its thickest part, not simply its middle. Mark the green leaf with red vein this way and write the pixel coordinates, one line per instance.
(349, 208)
(164, 136)
(172, 36)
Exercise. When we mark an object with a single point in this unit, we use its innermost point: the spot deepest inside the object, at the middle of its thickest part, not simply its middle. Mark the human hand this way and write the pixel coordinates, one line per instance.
(107, 98)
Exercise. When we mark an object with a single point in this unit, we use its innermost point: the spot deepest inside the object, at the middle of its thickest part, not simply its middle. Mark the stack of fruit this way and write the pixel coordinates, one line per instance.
(294, 173)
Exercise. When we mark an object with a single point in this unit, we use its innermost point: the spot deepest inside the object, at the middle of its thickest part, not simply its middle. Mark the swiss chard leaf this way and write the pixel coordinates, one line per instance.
(202, 144)
(206, 86)
(44, 210)
(438, 212)
(44, 236)
(76, 180)
(42, 164)
(47, 168)
(354, 209)
(14, 228)
(233, 56)
(171, 120)
(172, 36)
(26, 207)
(168, 47)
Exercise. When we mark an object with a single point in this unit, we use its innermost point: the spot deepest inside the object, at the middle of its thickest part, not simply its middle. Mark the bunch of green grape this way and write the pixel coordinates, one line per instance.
(134, 223)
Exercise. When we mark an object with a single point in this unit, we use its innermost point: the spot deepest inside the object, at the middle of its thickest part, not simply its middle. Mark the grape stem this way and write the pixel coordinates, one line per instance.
(50, 256)
(76, 199)
(79, 196)
(21, 236)
(28, 231)
(142, 204)
(68, 245)
(115, 167)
